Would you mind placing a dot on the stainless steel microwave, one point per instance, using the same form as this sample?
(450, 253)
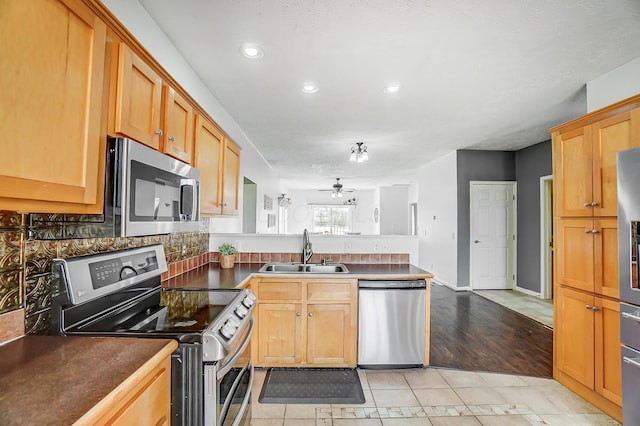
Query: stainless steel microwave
(148, 192)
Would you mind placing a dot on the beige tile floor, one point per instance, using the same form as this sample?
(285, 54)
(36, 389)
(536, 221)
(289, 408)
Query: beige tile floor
(533, 307)
(434, 396)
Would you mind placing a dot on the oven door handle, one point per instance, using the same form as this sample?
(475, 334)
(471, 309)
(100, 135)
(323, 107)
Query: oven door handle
(229, 364)
(632, 361)
(245, 401)
(627, 315)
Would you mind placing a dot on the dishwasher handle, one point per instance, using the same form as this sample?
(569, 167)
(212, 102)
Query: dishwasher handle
(392, 284)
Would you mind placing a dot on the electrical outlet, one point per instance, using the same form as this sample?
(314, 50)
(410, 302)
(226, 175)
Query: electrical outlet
(347, 246)
(376, 247)
(184, 249)
(385, 247)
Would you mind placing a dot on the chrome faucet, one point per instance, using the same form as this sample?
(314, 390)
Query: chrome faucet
(306, 247)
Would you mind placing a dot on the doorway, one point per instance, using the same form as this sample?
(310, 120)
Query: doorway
(249, 206)
(546, 237)
(493, 235)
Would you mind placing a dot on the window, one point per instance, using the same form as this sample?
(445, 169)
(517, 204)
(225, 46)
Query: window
(331, 220)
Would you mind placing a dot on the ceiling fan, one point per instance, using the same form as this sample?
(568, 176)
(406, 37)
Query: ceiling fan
(337, 190)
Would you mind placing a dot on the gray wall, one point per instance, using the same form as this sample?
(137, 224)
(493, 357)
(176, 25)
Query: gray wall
(484, 166)
(531, 163)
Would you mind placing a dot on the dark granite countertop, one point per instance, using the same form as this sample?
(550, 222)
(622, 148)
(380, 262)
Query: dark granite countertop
(212, 276)
(56, 380)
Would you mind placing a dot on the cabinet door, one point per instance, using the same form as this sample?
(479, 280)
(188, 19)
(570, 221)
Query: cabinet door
(178, 125)
(575, 253)
(609, 137)
(573, 165)
(138, 99)
(574, 335)
(51, 91)
(330, 335)
(231, 179)
(279, 333)
(606, 257)
(608, 370)
(209, 144)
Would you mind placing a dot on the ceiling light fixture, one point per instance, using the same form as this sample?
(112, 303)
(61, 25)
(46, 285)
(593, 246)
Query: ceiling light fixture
(252, 51)
(309, 88)
(359, 153)
(392, 88)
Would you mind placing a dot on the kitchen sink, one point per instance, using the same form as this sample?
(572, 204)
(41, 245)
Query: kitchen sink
(309, 268)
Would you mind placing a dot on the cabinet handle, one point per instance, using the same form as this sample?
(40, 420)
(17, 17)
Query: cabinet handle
(171, 138)
(223, 204)
(594, 231)
(595, 309)
(589, 307)
(631, 361)
(587, 204)
(298, 314)
(627, 315)
(158, 132)
(594, 204)
(310, 314)
(587, 231)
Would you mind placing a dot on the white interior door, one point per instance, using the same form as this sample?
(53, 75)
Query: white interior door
(493, 238)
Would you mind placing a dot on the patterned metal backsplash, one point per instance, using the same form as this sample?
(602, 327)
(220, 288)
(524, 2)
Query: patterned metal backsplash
(28, 243)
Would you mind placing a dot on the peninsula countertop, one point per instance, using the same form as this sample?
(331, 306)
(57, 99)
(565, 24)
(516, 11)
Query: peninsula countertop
(212, 276)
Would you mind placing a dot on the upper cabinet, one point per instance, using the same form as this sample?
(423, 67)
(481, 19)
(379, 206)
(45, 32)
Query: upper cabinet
(585, 159)
(209, 152)
(138, 98)
(51, 89)
(178, 125)
(231, 179)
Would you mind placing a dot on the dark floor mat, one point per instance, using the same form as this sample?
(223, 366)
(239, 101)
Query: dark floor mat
(311, 386)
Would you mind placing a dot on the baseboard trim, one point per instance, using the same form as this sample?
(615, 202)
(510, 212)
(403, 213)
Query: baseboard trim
(528, 292)
(451, 286)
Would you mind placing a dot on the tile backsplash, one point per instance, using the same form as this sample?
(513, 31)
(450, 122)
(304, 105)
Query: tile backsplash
(25, 264)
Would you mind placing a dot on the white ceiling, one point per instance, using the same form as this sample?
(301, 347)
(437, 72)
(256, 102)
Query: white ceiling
(474, 74)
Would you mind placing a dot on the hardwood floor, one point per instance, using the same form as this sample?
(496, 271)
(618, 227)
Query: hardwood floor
(469, 332)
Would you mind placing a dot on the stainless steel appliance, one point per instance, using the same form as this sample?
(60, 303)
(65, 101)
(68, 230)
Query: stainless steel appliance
(628, 244)
(147, 192)
(119, 294)
(391, 323)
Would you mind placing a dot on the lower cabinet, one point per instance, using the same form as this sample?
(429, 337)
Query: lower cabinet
(310, 322)
(587, 347)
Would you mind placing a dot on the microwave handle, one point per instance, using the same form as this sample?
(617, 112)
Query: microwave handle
(188, 199)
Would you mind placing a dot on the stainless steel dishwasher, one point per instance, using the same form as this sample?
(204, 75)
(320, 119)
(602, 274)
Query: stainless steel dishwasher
(391, 323)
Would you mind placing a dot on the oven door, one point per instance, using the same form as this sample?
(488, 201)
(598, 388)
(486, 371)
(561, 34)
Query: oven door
(227, 386)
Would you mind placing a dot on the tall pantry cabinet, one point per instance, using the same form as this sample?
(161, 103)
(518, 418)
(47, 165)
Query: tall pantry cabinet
(586, 318)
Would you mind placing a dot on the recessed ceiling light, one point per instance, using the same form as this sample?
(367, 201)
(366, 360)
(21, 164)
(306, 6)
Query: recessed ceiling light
(252, 51)
(392, 88)
(310, 88)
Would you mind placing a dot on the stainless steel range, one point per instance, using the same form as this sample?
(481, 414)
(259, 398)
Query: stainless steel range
(119, 294)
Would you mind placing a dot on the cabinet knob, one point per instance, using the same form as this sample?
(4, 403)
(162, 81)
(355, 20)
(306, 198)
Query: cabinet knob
(594, 231)
(171, 138)
(310, 314)
(158, 132)
(595, 309)
(587, 231)
(587, 204)
(588, 307)
(594, 204)
(298, 314)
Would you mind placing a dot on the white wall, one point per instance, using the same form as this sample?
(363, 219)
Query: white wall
(300, 213)
(321, 244)
(252, 165)
(438, 219)
(394, 210)
(621, 83)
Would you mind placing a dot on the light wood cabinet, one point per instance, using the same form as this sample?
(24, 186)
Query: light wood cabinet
(585, 160)
(138, 99)
(310, 322)
(586, 325)
(143, 399)
(178, 125)
(209, 151)
(587, 342)
(587, 254)
(51, 91)
(231, 179)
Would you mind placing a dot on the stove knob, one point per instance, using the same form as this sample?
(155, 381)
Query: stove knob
(241, 311)
(227, 331)
(233, 322)
(248, 301)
